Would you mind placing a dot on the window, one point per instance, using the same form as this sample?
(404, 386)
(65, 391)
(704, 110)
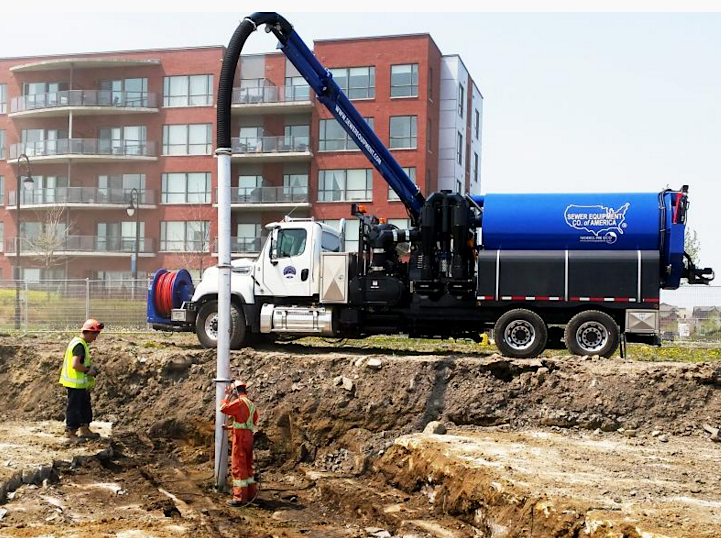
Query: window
(193, 139)
(458, 186)
(112, 185)
(332, 137)
(295, 187)
(356, 82)
(50, 189)
(297, 137)
(38, 142)
(404, 80)
(185, 188)
(185, 236)
(296, 89)
(411, 173)
(475, 167)
(430, 83)
(429, 136)
(461, 100)
(125, 92)
(3, 98)
(477, 123)
(129, 140)
(190, 90)
(291, 242)
(345, 185)
(43, 94)
(119, 236)
(2, 144)
(404, 132)
(352, 228)
(459, 149)
(2, 236)
(2, 190)
(329, 242)
(249, 238)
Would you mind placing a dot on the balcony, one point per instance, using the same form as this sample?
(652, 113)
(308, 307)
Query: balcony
(272, 149)
(80, 245)
(83, 103)
(243, 247)
(85, 149)
(79, 198)
(271, 100)
(267, 198)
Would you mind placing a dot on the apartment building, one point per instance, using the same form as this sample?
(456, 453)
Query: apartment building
(120, 148)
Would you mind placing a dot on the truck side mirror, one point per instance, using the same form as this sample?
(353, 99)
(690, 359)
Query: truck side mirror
(273, 250)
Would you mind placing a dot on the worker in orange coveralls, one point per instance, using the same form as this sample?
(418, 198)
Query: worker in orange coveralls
(238, 406)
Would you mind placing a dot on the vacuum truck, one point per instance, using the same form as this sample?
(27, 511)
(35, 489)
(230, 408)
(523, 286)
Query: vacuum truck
(542, 271)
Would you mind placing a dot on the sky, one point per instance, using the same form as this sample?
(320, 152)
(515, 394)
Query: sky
(573, 102)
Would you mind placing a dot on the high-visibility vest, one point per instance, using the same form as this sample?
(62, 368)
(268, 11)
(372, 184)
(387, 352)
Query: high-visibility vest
(248, 424)
(69, 376)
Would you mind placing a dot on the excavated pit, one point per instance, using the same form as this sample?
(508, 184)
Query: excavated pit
(564, 447)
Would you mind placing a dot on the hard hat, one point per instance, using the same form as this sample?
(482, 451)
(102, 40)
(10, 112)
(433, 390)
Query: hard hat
(238, 385)
(93, 326)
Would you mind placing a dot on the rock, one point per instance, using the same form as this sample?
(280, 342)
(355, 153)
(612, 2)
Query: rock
(338, 381)
(655, 433)
(663, 438)
(435, 427)
(295, 387)
(629, 433)
(359, 362)
(344, 382)
(374, 364)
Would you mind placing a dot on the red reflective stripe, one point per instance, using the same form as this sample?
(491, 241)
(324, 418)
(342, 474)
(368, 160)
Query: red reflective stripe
(543, 298)
(596, 299)
(675, 209)
(652, 300)
(518, 297)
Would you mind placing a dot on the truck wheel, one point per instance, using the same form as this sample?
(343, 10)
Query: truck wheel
(521, 334)
(206, 325)
(592, 333)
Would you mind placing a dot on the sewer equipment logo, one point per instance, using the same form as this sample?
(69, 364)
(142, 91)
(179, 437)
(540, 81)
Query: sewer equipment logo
(604, 224)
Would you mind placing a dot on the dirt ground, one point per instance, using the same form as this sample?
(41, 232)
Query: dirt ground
(562, 447)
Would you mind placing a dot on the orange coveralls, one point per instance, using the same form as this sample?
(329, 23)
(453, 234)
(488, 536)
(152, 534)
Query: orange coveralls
(245, 489)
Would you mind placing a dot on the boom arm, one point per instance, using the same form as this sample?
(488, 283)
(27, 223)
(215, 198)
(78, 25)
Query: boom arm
(330, 94)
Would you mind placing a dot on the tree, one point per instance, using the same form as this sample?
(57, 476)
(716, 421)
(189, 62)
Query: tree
(199, 256)
(48, 244)
(692, 245)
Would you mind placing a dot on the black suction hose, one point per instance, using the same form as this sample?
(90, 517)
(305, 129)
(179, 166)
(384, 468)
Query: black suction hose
(280, 27)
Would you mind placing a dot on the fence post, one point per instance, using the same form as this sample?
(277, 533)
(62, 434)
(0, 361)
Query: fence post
(27, 303)
(87, 298)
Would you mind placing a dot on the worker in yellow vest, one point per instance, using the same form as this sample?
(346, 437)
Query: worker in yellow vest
(78, 376)
(244, 413)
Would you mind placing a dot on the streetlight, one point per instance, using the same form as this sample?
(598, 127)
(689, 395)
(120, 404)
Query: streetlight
(27, 182)
(134, 209)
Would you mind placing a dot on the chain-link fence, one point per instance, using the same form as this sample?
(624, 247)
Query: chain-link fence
(691, 313)
(65, 304)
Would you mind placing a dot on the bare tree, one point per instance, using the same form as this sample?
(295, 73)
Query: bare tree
(48, 245)
(199, 257)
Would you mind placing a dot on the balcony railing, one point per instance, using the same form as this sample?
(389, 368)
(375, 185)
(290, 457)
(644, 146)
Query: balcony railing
(270, 94)
(268, 195)
(84, 146)
(271, 144)
(79, 98)
(79, 243)
(244, 245)
(78, 195)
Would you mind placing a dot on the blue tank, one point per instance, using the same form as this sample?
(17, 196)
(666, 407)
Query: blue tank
(588, 221)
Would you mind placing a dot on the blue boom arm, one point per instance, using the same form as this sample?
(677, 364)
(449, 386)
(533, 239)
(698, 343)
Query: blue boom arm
(330, 94)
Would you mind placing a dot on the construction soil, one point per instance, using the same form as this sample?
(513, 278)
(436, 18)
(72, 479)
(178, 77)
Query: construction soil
(553, 447)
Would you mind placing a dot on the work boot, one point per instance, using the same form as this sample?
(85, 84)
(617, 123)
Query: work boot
(87, 433)
(71, 437)
(235, 502)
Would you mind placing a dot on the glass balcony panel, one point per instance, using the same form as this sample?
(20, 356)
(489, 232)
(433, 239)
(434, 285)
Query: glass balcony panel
(79, 98)
(83, 243)
(78, 195)
(84, 146)
(271, 144)
(268, 195)
(270, 94)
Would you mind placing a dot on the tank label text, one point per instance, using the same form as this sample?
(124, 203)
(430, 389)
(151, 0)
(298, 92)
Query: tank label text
(604, 224)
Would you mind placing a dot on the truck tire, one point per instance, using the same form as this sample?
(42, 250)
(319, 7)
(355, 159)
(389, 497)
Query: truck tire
(206, 325)
(521, 334)
(592, 333)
